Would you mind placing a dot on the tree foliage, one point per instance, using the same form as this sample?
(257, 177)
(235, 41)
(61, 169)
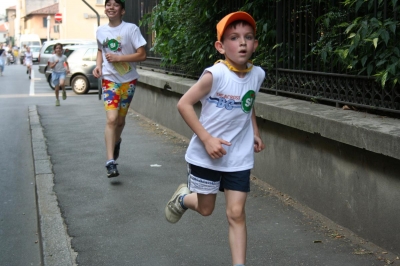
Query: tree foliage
(368, 44)
(185, 32)
(184, 35)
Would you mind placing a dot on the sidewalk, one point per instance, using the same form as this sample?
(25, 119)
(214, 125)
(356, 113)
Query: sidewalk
(120, 221)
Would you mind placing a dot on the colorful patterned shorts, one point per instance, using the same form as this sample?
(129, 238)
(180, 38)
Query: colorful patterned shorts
(118, 96)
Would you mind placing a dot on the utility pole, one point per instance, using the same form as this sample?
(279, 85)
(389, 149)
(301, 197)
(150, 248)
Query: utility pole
(98, 24)
(94, 10)
(48, 28)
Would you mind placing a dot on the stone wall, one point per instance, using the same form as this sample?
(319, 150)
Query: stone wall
(342, 164)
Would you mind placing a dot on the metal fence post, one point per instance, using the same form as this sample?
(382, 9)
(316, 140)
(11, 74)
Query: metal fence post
(99, 89)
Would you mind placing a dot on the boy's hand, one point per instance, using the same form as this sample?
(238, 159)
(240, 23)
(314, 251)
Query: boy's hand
(97, 72)
(112, 57)
(214, 147)
(258, 144)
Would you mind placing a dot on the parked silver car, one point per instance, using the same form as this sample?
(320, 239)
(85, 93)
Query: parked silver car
(48, 50)
(81, 60)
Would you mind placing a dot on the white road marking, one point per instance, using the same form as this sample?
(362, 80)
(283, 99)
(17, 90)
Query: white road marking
(32, 86)
(8, 96)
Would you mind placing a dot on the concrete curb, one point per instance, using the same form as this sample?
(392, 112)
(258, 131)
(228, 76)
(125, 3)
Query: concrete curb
(56, 244)
(357, 129)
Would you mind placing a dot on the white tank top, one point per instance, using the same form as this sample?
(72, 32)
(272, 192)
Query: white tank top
(226, 114)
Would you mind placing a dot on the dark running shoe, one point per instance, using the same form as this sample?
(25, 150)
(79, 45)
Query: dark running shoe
(112, 170)
(116, 149)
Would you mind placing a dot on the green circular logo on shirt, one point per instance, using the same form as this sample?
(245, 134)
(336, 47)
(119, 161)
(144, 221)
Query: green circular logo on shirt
(113, 45)
(248, 101)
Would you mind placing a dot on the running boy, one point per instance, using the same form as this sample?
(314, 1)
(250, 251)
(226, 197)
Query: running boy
(120, 45)
(221, 152)
(58, 62)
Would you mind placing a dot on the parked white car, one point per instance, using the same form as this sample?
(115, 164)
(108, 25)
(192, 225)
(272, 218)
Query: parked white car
(81, 60)
(35, 53)
(48, 50)
(27, 40)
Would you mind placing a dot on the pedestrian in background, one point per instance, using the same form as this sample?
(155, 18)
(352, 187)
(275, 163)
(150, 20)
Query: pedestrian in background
(120, 45)
(28, 61)
(3, 59)
(221, 152)
(58, 63)
(15, 53)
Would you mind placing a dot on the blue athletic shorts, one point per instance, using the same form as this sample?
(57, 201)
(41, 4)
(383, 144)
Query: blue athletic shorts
(56, 77)
(206, 181)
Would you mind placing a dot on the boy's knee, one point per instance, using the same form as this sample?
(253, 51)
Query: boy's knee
(121, 123)
(111, 121)
(236, 214)
(205, 211)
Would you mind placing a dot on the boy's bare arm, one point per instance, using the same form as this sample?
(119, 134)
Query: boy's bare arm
(53, 64)
(258, 143)
(185, 106)
(67, 68)
(97, 72)
(139, 56)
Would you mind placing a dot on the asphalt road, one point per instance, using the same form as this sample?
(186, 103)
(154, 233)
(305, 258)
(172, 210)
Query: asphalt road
(121, 221)
(19, 233)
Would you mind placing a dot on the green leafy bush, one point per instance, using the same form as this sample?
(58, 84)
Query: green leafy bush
(185, 32)
(366, 45)
(359, 37)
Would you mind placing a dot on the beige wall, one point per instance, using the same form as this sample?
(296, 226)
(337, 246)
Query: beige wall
(22, 13)
(79, 21)
(11, 15)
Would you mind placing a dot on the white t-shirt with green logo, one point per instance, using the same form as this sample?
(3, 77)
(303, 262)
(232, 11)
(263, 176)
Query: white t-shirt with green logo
(226, 113)
(123, 39)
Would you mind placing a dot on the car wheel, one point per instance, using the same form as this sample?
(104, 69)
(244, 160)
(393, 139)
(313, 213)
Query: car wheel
(50, 82)
(80, 84)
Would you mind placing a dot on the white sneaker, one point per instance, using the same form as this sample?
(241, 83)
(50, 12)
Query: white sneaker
(57, 102)
(174, 210)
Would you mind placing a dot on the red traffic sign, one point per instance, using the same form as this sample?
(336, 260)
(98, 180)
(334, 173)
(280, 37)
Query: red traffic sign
(58, 17)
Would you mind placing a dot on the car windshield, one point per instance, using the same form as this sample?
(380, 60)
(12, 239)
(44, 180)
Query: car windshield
(35, 49)
(30, 43)
(67, 52)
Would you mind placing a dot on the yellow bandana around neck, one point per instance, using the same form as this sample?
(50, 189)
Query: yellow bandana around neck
(234, 69)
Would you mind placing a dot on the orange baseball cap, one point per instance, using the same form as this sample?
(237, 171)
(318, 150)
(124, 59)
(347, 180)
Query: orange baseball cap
(228, 19)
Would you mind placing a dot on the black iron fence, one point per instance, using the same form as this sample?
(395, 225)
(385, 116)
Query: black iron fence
(298, 71)
(301, 73)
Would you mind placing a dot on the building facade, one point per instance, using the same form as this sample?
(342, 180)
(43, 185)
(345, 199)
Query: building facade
(11, 16)
(78, 19)
(41, 22)
(3, 33)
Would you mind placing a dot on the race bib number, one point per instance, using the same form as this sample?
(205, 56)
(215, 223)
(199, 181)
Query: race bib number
(122, 67)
